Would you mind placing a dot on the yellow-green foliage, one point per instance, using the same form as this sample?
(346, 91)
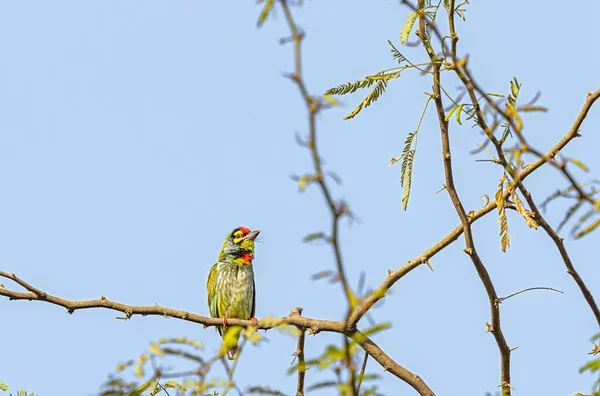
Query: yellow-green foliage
(380, 80)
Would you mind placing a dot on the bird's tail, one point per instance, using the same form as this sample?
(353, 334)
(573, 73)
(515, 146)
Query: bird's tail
(231, 353)
(231, 337)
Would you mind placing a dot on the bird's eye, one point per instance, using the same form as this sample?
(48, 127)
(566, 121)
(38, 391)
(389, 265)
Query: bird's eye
(237, 235)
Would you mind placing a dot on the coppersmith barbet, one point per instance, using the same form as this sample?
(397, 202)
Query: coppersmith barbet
(230, 286)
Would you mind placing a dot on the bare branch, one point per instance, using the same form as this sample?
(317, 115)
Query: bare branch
(313, 326)
(362, 372)
(337, 209)
(460, 210)
(301, 363)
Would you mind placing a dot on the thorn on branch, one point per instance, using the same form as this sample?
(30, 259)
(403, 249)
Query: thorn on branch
(297, 311)
(285, 40)
(428, 264)
(292, 76)
(315, 106)
(471, 215)
(486, 199)
(300, 141)
(505, 384)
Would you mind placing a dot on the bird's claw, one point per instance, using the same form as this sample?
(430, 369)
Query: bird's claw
(224, 322)
(254, 321)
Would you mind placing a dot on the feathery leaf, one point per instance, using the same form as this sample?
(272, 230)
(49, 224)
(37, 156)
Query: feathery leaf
(407, 28)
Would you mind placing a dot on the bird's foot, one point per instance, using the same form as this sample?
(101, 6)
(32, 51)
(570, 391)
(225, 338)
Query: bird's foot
(254, 321)
(224, 322)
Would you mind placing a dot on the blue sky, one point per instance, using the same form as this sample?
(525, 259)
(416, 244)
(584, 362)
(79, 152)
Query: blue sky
(134, 136)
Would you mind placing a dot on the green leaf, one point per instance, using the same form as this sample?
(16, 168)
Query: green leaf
(377, 328)
(533, 108)
(515, 87)
(592, 366)
(580, 164)
(181, 340)
(264, 390)
(505, 134)
(321, 275)
(373, 96)
(450, 113)
(380, 80)
(155, 349)
(175, 385)
(395, 53)
(303, 181)
(139, 367)
(3, 386)
(312, 237)
(407, 165)
(588, 229)
(265, 12)
(331, 100)
(458, 111)
(144, 387)
(321, 385)
(407, 28)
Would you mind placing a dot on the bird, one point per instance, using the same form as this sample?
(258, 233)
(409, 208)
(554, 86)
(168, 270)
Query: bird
(230, 286)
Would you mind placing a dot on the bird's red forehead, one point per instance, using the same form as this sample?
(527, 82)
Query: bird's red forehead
(244, 230)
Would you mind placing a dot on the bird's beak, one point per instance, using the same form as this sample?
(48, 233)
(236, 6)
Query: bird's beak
(251, 236)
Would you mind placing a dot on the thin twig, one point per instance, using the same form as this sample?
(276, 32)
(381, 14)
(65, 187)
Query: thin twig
(301, 363)
(460, 210)
(501, 299)
(362, 373)
(337, 209)
(463, 74)
(472, 87)
(395, 276)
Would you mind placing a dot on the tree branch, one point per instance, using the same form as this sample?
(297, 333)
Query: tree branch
(394, 276)
(299, 354)
(313, 326)
(362, 372)
(389, 365)
(549, 157)
(460, 210)
(337, 209)
(301, 363)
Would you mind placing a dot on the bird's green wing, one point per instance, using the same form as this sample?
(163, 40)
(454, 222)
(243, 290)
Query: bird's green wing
(211, 288)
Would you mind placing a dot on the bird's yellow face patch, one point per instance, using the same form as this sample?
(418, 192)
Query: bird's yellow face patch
(238, 236)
